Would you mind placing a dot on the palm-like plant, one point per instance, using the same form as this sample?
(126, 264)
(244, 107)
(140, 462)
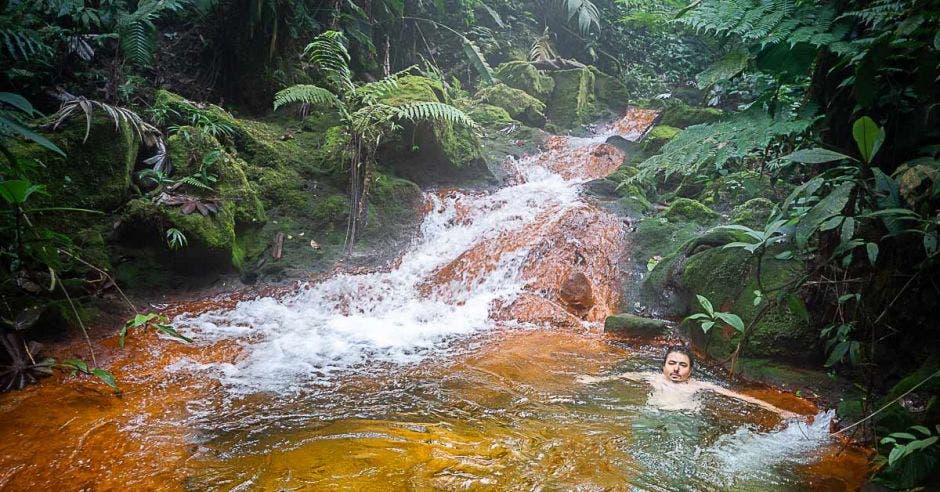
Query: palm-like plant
(367, 120)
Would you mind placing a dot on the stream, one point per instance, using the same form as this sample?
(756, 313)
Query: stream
(454, 367)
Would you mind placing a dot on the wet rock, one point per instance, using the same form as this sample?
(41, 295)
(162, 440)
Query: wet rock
(626, 324)
(520, 105)
(573, 100)
(678, 114)
(524, 76)
(687, 210)
(658, 136)
(576, 292)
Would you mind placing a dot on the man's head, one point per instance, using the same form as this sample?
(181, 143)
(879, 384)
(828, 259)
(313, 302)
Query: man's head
(678, 364)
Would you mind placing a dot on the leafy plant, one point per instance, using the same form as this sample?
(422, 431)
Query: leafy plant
(175, 238)
(75, 366)
(708, 319)
(367, 120)
(912, 456)
(150, 320)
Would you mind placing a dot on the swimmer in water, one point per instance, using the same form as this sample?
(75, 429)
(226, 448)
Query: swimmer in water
(674, 389)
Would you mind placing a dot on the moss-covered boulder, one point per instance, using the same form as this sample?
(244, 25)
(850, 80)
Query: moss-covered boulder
(658, 136)
(573, 100)
(728, 278)
(436, 152)
(517, 103)
(609, 91)
(490, 116)
(678, 114)
(687, 210)
(230, 232)
(524, 76)
(739, 187)
(626, 324)
(753, 213)
(95, 174)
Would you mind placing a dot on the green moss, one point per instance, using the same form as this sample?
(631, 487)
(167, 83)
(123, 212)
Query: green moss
(96, 174)
(660, 236)
(627, 324)
(392, 206)
(739, 187)
(686, 210)
(524, 76)
(609, 91)
(623, 173)
(753, 213)
(517, 103)
(489, 115)
(633, 199)
(414, 88)
(680, 115)
(331, 210)
(658, 136)
(573, 100)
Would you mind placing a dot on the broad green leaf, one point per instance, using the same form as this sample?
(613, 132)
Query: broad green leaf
(903, 435)
(848, 229)
(838, 353)
(831, 205)
(807, 188)
(17, 191)
(868, 136)
(105, 376)
(872, 250)
(831, 223)
(172, 332)
(930, 243)
(923, 430)
(707, 325)
(17, 101)
(18, 129)
(733, 320)
(706, 304)
(76, 364)
(797, 307)
(914, 446)
(816, 156)
(897, 453)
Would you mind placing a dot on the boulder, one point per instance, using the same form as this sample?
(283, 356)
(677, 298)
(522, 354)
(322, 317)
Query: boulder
(524, 76)
(657, 137)
(576, 292)
(687, 210)
(626, 324)
(573, 101)
(517, 103)
(678, 114)
(753, 213)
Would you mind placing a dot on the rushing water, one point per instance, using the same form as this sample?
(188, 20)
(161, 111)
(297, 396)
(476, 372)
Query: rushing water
(456, 367)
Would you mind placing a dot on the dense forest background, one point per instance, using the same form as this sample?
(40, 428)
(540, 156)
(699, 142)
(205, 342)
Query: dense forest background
(830, 105)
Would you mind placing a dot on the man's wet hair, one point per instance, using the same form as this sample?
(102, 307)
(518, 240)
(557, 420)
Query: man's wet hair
(681, 349)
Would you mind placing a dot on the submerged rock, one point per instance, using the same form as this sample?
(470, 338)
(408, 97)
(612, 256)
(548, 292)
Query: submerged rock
(626, 324)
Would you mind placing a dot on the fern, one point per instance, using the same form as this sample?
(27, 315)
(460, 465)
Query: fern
(431, 111)
(309, 94)
(586, 13)
(329, 54)
(880, 12)
(763, 22)
(542, 49)
(725, 68)
(714, 146)
(24, 44)
(145, 132)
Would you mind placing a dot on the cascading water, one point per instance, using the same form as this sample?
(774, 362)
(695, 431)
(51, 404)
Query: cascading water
(457, 367)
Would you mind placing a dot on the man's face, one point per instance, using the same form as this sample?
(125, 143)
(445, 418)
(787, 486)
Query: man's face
(677, 368)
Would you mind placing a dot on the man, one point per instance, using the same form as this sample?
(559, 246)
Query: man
(674, 389)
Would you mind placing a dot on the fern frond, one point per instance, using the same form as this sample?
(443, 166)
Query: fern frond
(714, 146)
(435, 111)
(329, 54)
(727, 67)
(542, 49)
(309, 94)
(146, 133)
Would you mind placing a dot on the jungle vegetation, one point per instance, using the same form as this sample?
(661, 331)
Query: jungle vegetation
(833, 101)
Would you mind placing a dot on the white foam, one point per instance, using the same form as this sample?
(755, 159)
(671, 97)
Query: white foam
(348, 321)
(748, 454)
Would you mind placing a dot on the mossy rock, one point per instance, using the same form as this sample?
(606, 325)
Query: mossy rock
(573, 101)
(659, 236)
(490, 116)
(520, 105)
(609, 91)
(753, 213)
(727, 278)
(678, 114)
(393, 205)
(415, 88)
(95, 174)
(687, 210)
(524, 76)
(658, 136)
(626, 324)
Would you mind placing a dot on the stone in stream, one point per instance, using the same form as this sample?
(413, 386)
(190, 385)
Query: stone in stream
(576, 292)
(627, 324)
